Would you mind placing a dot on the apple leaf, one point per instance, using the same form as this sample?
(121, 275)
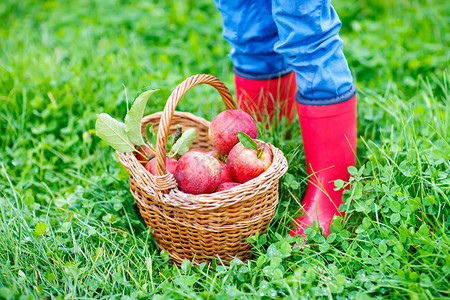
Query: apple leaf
(247, 141)
(113, 133)
(151, 135)
(170, 143)
(134, 117)
(184, 142)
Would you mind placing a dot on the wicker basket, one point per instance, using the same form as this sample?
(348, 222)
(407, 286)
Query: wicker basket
(200, 227)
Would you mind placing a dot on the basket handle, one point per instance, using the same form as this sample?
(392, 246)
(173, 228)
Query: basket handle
(169, 109)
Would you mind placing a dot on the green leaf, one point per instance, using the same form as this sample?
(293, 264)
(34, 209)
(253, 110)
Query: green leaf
(352, 170)
(423, 230)
(285, 249)
(170, 143)
(120, 279)
(382, 247)
(165, 255)
(247, 141)
(50, 276)
(65, 227)
(338, 184)
(277, 274)
(185, 266)
(113, 133)
(395, 206)
(331, 238)
(324, 247)
(187, 281)
(262, 240)
(395, 218)
(357, 194)
(150, 134)
(425, 280)
(134, 117)
(251, 239)
(319, 239)
(260, 261)
(40, 229)
(184, 142)
(273, 252)
(6, 293)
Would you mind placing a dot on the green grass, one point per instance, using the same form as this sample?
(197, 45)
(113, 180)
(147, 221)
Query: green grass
(68, 224)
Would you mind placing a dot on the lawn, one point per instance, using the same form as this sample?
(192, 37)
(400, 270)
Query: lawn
(69, 227)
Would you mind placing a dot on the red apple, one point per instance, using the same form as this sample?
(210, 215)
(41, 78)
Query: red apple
(171, 165)
(245, 164)
(143, 154)
(226, 185)
(225, 174)
(197, 173)
(198, 150)
(224, 128)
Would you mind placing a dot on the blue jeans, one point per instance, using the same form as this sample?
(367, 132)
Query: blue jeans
(271, 38)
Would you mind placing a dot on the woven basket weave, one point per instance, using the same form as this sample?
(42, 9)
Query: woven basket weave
(200, 227)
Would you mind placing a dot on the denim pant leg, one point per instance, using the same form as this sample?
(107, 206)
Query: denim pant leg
(250, 29)
(308, 33)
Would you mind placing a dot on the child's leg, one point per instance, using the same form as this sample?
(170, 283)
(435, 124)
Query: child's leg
(326, 102)
(264, 82)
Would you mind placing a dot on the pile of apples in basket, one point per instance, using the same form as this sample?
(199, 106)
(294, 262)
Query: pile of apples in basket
(238, 156)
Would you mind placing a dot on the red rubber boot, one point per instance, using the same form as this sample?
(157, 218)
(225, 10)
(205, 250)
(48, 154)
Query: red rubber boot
(329, 141)
(263, 98)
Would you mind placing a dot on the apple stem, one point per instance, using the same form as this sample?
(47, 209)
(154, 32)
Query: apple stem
(177, 134)
(224, 158)
(260, 150)
(144, 153)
